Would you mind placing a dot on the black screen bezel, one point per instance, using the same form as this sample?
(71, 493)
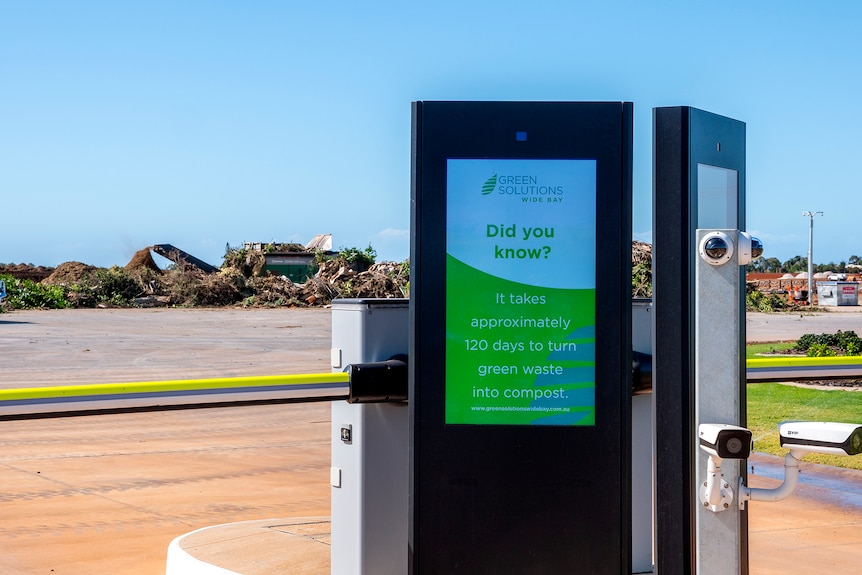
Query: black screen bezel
(561, 491)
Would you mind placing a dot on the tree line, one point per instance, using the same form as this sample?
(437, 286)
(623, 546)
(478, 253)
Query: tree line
(798, 264)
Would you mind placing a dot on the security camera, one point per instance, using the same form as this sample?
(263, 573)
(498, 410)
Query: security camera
(756, 248)
(802, 438)
(725, 441)
(750, 248)
(821, 437)
(716, 248)
(721, 441)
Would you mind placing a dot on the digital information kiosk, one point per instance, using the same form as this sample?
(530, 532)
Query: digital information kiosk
(520, 349)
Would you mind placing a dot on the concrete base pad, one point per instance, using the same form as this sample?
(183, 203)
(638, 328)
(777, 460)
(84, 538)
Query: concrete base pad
(298, 546)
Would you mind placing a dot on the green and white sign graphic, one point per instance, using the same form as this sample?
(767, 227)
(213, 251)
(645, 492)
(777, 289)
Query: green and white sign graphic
(520, 292)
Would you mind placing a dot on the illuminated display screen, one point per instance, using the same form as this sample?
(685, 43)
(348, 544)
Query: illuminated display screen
(520, 292)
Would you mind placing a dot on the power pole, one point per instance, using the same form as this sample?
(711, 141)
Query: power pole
(810, 250)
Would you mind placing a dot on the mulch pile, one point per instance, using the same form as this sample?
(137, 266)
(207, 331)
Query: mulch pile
(69, 273)
(26, 271)
(143, 259)
(334, 279)
(641, 270)
(834, 382)
(242, 280)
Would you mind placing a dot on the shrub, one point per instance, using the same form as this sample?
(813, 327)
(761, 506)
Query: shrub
(804, 342)
(820, 350)
(766, 303)
(188, 286)
(642, 279)
(115, 285)
(364, 257)
(27, 294)
(843, 342)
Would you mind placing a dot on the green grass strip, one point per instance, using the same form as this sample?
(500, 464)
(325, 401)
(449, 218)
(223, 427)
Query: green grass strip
(771, 403)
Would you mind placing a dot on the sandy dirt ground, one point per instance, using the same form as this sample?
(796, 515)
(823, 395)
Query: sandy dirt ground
(105, 494)
(818, 529)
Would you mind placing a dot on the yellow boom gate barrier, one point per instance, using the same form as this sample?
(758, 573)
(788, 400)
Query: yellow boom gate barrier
(803, 368)
(102, 397)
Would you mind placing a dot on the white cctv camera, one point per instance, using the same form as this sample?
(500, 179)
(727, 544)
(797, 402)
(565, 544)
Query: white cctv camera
(725, 441)
(750, 248)
(721, 441)
(801, 438)
(716, 248)
(821, 437)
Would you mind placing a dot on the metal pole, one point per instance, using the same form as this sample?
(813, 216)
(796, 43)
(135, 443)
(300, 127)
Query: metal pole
(810, 261)
(810, 252)
(718, 398)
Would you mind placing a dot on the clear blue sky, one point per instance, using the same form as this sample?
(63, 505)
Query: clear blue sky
(124, 124)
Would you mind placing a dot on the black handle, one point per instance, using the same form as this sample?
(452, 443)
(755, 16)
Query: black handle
(641, 372)
(378, 381)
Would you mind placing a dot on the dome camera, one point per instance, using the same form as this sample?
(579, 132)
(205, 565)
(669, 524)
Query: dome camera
(716, 248)
(750, 248)
(756, 248)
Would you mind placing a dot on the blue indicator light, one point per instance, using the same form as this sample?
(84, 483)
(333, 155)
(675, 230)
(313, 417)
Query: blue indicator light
(521, 136)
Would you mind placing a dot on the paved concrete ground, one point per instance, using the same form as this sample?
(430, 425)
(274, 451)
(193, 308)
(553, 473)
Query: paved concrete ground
(765, 327)
(64, 347)
(107, 493)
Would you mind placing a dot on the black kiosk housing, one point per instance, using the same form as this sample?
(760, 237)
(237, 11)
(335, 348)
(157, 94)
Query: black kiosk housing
(686, 141)
(543, 495)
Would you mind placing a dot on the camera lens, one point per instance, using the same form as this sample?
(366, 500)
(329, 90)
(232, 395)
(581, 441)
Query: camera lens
(855, 442)
(734, 445)
(756, 248)
(715, 248)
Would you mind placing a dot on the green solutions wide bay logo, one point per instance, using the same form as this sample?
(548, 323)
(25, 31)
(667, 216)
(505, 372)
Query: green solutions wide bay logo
(489, 185)
(526, 188)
